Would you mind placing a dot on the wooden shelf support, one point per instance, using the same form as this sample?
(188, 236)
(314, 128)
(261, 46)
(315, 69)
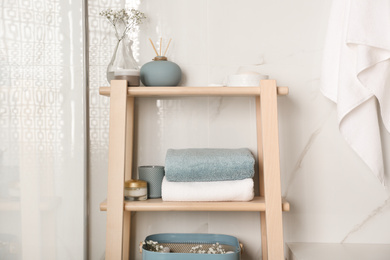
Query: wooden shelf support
(116, 169)
(271, 166)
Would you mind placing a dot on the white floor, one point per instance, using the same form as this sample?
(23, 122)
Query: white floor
(319, 251)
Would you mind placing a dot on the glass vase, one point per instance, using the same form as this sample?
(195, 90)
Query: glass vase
(122, 59)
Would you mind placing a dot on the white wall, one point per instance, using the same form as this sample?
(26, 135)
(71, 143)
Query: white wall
(333, 196)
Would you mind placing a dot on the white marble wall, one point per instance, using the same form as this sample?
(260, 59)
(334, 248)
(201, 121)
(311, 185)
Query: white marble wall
(333, 196)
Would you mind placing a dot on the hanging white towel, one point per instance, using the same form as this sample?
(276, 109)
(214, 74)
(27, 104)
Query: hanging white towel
(356, 74)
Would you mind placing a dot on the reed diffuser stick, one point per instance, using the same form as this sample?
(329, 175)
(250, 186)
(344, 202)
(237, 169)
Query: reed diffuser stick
(154, 48)
(167, 46)
(160, 45)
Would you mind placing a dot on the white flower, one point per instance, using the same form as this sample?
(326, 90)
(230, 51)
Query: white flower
(125, 19)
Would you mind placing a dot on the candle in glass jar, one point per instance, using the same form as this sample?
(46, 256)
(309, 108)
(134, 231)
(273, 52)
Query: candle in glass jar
(136, 190)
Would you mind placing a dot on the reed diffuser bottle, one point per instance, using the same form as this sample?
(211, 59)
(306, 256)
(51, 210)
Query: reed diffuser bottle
(160, 71)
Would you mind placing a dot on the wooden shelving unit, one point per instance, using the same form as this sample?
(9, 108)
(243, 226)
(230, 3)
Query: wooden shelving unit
(270, 203)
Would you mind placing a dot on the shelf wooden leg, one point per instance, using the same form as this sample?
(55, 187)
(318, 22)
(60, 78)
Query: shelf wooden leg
(271, 168)
(129, 137)
(116, 170)
(128, 173)
(126, 234)
(261, 178)
(264, 248)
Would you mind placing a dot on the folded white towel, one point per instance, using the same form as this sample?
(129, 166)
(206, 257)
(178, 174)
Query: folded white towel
(237, 190)
(356, 74)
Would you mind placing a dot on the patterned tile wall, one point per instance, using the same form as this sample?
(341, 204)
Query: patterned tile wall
(41, 87)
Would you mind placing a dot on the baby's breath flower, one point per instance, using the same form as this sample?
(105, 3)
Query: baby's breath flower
(214, 249)
(126, 18)
(154, 246)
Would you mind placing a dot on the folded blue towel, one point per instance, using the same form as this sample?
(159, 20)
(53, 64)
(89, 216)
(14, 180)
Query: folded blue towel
(208, 164)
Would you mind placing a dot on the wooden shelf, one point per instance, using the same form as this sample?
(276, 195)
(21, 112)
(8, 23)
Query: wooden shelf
(257, 204)
(192, 91)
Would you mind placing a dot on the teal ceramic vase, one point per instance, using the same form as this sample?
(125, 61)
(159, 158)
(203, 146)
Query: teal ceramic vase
(160, 72)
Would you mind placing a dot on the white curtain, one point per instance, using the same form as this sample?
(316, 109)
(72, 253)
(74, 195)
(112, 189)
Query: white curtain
(42, 130)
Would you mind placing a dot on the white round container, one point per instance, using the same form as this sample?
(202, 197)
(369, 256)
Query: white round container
(245, 80)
